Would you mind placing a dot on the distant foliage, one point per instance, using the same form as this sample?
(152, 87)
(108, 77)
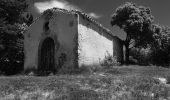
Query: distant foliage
(147, 43)
(11, 49)
(141, 56)
(158, 51)
(12, 27)
(161, 45)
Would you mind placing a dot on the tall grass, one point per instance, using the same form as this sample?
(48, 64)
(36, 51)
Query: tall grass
(114, 83)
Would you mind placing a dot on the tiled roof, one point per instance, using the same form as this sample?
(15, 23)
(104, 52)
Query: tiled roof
(47, 12)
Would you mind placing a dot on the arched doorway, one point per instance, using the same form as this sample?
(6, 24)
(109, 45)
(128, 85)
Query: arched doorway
(47, 56)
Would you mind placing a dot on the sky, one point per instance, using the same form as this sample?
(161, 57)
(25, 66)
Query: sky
(101, 10)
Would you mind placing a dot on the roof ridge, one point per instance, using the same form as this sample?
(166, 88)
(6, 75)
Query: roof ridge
(80, 13)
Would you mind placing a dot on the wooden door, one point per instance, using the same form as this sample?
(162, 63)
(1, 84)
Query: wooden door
(47, 52)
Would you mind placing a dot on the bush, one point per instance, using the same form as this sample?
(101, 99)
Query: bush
(11, 68)
(110, 61)
(149, 56)
(141, 56)
(160, 58)
(11, 49)
(161, 45)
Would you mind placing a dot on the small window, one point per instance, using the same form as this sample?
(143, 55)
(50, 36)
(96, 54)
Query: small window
(46, 26)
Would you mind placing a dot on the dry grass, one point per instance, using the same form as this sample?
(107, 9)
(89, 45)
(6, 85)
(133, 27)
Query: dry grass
(117, 83)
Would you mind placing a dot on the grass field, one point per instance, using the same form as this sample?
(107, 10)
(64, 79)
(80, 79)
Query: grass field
(117, 83)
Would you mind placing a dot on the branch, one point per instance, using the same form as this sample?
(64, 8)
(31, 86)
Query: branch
(131, 42)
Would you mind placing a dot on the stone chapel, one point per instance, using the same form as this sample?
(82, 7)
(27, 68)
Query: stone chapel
(61, 38)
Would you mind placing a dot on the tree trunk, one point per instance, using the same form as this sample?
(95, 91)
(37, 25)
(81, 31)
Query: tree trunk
(127, 53)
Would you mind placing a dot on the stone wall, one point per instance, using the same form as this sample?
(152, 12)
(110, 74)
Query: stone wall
(95, 43)
(62, 28)
(78, 40)
(31, 44)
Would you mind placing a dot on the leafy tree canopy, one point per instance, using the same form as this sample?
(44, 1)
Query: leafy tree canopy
(11, 10)
(161, 45)
(161, 37)
(12, 26)
(134, 20)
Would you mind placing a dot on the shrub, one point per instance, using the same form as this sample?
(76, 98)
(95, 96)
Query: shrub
(11, 68)
(160, 58)
(109, 60)
(147, 56)
(161, 45)
(141, 56)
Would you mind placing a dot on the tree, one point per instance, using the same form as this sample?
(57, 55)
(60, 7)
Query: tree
(135, 21)
(161, 45)
(12, 26)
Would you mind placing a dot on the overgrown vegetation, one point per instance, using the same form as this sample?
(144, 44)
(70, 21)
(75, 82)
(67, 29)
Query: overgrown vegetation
(157, 52)
(161, 45)
(135, 21)
(110, 60)
(118, 83)
(147, 42)
(12, 26)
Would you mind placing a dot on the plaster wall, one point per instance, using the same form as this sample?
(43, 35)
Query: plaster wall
(31, 44)
(62, 29)
(78, 41)
(65, 26)
(94, 43)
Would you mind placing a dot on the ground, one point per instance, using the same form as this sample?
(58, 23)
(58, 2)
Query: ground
(117, 83)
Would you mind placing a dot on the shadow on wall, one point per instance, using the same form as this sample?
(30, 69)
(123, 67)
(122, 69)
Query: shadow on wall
(118, 49)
